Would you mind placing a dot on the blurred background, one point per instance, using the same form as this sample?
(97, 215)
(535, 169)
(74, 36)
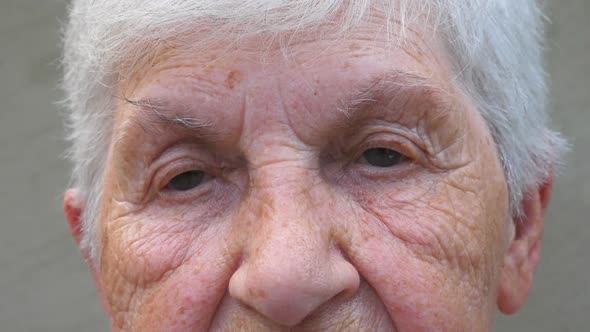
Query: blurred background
(44, 283)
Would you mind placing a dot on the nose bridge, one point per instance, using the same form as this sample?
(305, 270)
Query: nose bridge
(288, 222)
(290, 266)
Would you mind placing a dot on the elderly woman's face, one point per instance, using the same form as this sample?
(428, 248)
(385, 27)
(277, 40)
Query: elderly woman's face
(323, 185)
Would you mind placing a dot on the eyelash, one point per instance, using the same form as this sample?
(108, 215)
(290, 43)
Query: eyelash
(392, 142)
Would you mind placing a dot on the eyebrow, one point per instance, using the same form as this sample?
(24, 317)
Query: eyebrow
(160, 114)
(391, 87)
(155, 116)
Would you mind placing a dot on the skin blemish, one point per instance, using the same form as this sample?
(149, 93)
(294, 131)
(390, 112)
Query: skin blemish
(257, 292)
(233, 78)
(354, 47)
(265, 208)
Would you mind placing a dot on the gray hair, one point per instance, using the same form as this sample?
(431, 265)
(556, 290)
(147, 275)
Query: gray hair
(495, 47)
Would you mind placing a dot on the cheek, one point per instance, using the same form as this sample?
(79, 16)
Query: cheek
(417, 294)
(163, 273)
(144, 251)
(188, 298)
(431, 250)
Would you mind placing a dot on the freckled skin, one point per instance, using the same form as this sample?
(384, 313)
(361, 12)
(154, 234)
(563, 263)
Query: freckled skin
(283, 242)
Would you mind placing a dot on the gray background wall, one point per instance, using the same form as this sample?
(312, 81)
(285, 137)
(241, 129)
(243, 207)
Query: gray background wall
(44, 284)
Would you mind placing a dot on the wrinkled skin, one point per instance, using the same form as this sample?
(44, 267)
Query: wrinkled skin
(291, 229)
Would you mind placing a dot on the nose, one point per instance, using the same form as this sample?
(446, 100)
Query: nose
(291, 266)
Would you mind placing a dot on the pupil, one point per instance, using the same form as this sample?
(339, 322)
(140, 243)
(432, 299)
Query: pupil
(381, 157)
(186, 181)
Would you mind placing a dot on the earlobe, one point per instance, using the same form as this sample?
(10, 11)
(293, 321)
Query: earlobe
(524, 251)
(73, 208)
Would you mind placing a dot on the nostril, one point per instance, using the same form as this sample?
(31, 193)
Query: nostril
(345, 294)
(288, 296)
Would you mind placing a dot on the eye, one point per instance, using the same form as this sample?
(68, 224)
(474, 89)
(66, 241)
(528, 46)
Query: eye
(186, 181)
(382, 157)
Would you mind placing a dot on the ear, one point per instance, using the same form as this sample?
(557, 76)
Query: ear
(524, 251)
(73, 210)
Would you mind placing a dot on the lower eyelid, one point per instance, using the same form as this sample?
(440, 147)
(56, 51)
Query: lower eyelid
(395, 173)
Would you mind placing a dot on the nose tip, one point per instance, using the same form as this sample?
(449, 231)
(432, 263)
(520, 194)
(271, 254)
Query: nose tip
(288, 295)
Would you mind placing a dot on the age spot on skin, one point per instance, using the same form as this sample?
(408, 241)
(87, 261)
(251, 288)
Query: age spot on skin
(260, 293)
(233, 78)
(354, 47)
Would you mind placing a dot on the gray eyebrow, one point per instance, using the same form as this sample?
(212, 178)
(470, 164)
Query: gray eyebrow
(389, 84)
(160, 114)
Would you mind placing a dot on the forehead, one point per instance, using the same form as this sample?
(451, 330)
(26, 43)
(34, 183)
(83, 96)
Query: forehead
(413, 47)
(308, 75)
